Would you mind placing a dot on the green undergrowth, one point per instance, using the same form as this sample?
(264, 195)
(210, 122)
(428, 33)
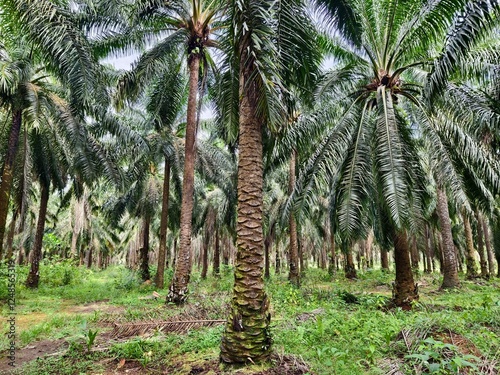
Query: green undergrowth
(337, 326)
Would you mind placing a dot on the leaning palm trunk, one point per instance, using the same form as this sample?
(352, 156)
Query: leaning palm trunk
(159, 281)
(470, 252)
(293, 275)
(405, 290)
(178, 290)
(36, 256)
(7, 173)
(450, 274)
(246, 337)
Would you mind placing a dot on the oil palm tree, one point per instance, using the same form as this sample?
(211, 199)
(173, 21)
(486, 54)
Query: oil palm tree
(174, 28)
(372, 149)
(40, 34)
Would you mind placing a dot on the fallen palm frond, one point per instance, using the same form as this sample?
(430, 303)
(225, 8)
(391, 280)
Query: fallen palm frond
(141, 328)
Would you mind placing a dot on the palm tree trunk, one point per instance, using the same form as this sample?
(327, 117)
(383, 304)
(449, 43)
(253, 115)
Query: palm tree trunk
(7, 172)
(144, 250)
(384, 259)
(428, 254)
(496, 243)
(216, 269)
(159, 281)
(267, 266)
(332, 265)
(349, 267)
(10, 235)
(293, 274)
(178, 290)
(489, 250)
(246, 337)
(34, 274)
(204, 260)
(480, 247)
(470, 251)
(405, 290)
(449, 256)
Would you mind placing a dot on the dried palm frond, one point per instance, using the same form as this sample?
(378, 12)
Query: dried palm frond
(138, 329)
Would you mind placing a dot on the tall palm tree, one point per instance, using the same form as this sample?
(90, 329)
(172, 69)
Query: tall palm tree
(372, 149)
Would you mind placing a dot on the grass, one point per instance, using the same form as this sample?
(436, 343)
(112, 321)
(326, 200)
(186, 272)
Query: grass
(337, 326)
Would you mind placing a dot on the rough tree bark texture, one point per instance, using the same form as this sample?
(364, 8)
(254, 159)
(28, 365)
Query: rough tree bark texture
(349, 267)
(7, 172)
(470, 257)
(246, 337)
(384, 259)
(405, 290)
(162, 250)
(428, 255)
(293, 274)
(332, 265)
(34, 274)
(449, 256)
(178, 290)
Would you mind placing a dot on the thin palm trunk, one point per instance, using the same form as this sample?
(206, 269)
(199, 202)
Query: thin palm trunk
(204, 260)
(489, 250)
(349, 267)
(10, 235)
(293, 275)
(159, 280)
(216, 269)
(405, 290)
(246, 337)
(332, 265)
(384, 259)
(480, 247)
(178, 290)
(428, 255)
(470, 251)
(7, 172)
(34, 274)
(449, 256)
(144, 249)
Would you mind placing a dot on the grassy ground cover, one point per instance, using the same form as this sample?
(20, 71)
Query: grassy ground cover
(83, 321)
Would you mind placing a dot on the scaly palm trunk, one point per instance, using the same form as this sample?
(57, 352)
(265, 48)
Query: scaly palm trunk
(349, 267)
(34, 274)
(428, 254)
(449, 256)
(384, 260)
(332, 264)
(10, 235)
(7, 172)
(178, 290)
(144, 252)
(405, 290)
(293, 275)
(246, 337)
(470, 252)
(204, 259)
(159, 281)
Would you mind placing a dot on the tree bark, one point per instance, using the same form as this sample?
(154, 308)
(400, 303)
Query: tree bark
(204, 259)
(162, 250)
(7, 172)
(246, 337)
(405, 290)
(450, 274)
(293, 275)
(144, 250)
(350, 268)
(10, 235)
(34, 274)
(470, 257)
(178, 290)
(428, 254)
